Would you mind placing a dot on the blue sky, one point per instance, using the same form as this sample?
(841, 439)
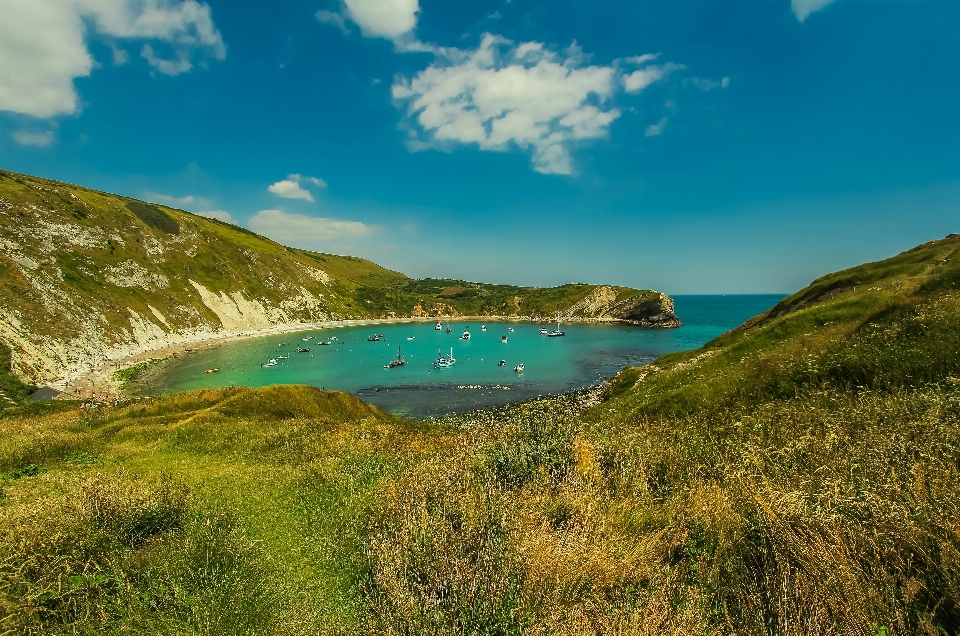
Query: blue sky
(693, 147)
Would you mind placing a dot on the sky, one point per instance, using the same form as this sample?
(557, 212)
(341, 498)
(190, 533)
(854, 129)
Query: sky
(696, 147)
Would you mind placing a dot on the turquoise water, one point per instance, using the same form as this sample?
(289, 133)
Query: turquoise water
(586, 354)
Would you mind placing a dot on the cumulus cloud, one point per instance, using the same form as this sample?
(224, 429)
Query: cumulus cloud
(803, 8)
(220, 215)
(503, 95)
(42, 47)
(40, 140)
(653, 130)
(390, 19)
(291, 229)
(289, 189)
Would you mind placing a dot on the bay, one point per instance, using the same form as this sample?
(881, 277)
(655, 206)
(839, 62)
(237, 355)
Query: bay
(587, 354)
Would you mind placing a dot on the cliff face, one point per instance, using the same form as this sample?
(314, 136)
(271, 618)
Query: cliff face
(87, 276)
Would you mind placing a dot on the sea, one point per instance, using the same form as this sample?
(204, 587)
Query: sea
(585, 355)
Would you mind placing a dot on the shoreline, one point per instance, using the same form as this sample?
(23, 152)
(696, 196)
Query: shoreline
(100, 381)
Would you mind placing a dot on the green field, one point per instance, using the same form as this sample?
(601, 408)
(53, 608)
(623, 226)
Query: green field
(800, 475)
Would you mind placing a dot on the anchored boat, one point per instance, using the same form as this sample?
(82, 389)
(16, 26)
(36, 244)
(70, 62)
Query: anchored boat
(444, 361)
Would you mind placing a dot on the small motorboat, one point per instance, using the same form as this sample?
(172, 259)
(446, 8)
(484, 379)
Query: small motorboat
(211, 370)
(283, 344)
(449, 329)
(272, 362)
(444, 361)
(303, 349)
(282, 357)
(510, 329)
(518, 368)
(557, 332)
(411, 337)
(543, 330)
(307, 339)
(333, 337)
(399, 362)
(465, 336)
(324, 343)
(439, 326)
(503, 339)
(502, 363)
(375, 338)
(483, 327)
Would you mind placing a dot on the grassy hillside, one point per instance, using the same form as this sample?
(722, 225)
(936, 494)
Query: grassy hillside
(86, 276)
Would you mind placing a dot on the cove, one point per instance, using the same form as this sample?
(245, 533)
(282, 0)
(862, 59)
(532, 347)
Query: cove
(588, 353)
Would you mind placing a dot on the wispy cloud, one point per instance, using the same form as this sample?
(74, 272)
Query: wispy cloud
(654, 130)
(708, 84)
(301, 178)
(803, 8)
(641, 78)
(289, 189)
(39, 140)
(299, 229)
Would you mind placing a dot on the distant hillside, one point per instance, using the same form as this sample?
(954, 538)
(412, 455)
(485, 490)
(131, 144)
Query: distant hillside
(88, 275)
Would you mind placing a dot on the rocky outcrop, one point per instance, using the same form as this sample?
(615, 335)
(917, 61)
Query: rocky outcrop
(610, 304)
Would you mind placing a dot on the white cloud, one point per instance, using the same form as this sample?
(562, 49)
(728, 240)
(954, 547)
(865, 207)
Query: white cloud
(653, 130)
(501, 95)
(220, 215)
(42, 48)
(289, 189)
(300, 178)
(390, 19)
(725, 82)
(383, 18)
(803, 8)
(40, 140)
(299, 229)
(638, 80)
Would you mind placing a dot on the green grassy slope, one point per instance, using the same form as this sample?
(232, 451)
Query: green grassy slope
(86, 274)
(800, 475)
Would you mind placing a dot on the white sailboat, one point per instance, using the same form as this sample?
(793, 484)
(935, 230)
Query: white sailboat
(557, 332)
(444, 361)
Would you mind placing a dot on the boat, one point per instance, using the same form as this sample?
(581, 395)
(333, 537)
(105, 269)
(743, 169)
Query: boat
(465, 336)
(411, 337)
(283, 357)
(518, 368)
(439, 326)
(303, 349)
(543, 330)
(510, 329)
(211, 370)
(272, 362)
(502, 363)
(444, 361)
(449, 329)
(375, 338)
(323, 343)
(483, 327)
(554, 334)
(307, 339)
(333, 337)
(503, 339)
(399, 362)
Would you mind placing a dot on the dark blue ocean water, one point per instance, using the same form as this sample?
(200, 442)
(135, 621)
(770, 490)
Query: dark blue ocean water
(587, 354)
